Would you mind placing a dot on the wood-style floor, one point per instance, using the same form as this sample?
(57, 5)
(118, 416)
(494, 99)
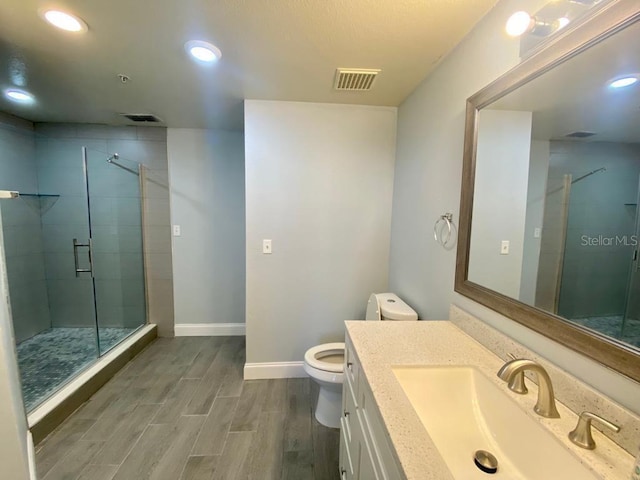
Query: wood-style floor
(181, 411)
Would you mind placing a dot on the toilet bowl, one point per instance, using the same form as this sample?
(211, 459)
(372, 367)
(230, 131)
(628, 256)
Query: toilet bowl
(325, 363)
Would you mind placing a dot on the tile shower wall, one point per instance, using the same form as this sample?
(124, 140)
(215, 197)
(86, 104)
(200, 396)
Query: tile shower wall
(116, 220)
(22, 229)
(60, 172)
(601, 206)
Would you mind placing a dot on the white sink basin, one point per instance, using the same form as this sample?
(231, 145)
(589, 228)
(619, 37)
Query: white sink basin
(463, 411)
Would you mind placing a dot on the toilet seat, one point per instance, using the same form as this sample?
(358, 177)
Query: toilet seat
(313, 357)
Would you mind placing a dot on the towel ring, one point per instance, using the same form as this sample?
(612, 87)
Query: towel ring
(437, 235)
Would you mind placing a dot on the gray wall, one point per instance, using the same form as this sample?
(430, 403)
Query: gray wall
(500, 199)
(538, 171)
(594, 278)
(319, 184)
(22, 229)
(427, 184)
(429, 160)
(206, 170)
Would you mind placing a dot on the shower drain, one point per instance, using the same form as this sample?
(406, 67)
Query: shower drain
(485, 461)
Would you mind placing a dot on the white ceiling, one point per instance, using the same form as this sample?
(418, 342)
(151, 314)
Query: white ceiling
(575, 96)
(272, 49)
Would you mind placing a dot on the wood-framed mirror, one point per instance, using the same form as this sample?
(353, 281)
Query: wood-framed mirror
(549, 216)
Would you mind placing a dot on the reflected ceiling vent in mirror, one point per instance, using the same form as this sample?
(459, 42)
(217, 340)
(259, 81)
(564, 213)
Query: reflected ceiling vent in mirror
(355, 79)
(142, 117)
(580, 134)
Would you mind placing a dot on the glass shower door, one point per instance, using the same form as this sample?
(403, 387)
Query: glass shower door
(115, 212)
(630, 328)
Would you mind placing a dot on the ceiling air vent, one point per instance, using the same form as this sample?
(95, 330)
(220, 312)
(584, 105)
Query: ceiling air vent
(142, 117)
(355, 79)
(580, 134)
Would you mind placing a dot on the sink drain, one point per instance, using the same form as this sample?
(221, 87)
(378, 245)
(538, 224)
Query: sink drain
(485, 461)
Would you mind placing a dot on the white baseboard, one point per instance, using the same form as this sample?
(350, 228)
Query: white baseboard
(209, 329)
(262, 371)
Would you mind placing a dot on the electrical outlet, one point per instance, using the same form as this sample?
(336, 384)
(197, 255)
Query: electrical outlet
(176, 231)
(536, 232)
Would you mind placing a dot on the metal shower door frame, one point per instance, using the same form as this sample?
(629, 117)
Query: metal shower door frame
(89, 245)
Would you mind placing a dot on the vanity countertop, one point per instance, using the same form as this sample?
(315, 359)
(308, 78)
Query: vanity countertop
(381, 345)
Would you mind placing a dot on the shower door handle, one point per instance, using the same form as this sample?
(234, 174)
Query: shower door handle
(77, 245)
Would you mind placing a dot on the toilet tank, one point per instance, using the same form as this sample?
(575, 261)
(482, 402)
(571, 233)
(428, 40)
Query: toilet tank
(388, 306)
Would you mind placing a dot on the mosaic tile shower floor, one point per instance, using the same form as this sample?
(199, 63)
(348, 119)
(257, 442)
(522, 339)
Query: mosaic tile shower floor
(52, 357)
(611, 326)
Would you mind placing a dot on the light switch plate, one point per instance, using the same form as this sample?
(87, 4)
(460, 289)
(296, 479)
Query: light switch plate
(504, 247)
(266, 246)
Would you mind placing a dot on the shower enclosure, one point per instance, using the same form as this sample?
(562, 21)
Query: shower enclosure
(598, 286)
(74, 254)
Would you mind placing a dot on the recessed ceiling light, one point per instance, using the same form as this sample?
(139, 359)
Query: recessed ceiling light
(64, 21)
(623, 81)
(19, 96)
(201, 51)
(519, 23)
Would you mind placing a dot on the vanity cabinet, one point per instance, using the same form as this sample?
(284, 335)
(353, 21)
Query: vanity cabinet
(365, 452)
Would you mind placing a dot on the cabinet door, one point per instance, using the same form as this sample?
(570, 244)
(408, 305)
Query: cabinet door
(349, 423)
(351, 366)
(375, 435)
(349, 408)
(365, 464)
(367, 472)
(345, 465)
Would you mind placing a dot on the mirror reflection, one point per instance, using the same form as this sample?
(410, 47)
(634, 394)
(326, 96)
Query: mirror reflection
(555, 209)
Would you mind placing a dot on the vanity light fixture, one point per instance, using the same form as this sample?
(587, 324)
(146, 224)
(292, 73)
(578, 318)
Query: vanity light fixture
(622, 82)
(19, 96)
(203, 52)
(521, 22)
(64, 21)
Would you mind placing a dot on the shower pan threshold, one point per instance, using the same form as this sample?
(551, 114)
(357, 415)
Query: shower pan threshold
(53, 411)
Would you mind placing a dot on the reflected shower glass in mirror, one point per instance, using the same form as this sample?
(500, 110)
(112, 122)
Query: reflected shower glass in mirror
(555, 210)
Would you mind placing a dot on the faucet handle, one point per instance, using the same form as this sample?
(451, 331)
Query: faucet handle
(516, 384)
(581, 435)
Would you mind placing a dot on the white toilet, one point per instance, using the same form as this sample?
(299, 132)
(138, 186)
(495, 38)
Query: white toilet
(325, 363)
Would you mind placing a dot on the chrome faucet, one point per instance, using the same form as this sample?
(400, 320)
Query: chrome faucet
(546, 404)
